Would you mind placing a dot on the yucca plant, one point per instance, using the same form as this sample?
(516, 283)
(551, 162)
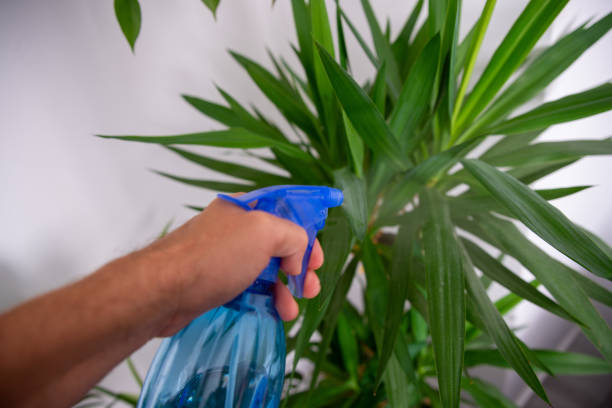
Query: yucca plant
(429, 228)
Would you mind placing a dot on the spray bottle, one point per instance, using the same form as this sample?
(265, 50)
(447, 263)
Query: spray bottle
(234, 355)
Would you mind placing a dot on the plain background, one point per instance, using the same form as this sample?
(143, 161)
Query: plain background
(69, 202)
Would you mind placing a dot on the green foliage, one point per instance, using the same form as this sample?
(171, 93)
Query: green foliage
(392, 144)
(128, 16)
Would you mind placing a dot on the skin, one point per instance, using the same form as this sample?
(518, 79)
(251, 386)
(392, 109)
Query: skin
(57, 346)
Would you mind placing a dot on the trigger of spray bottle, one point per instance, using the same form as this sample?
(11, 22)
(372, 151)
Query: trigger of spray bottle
(234, 355)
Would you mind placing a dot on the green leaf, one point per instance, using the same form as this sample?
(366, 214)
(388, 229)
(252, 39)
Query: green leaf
(403, 190)
(331, 318)
(210, 184)
(363, 114)
(502, 275)
(247, 120)
(544, 69)
(398, 285)
(572, 107)
(130, 399)
(560, 363)
(212, 5)
(415, 98)
(402, 42)
(134, 371)
(303, 29)
(348, 346)
(383, 50)
(355, 145)
(485, 394)
(592, 289)
(507, 144)
(233, 169)
(337, 241)
(506, 342)
(230, 138)
(215, 111)
(555, 276)
(128, 16)
(445, 297)
(532, 173)
(359, 38)
(472, 52)
(288, 102)
(541, 217)
(379, 89)
(376, 294)
(354, 204)
(162, 234)
(344, 61)
(513, 50)
(321, 33)
(554, 193)
(446, 67)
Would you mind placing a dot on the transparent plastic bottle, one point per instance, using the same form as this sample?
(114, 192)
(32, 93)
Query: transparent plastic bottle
(233, 356)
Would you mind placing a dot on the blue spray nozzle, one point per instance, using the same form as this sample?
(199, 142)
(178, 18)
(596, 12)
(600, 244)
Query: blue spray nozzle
(304, 205)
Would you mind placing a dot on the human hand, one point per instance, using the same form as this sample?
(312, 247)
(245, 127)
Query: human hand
(217, 254)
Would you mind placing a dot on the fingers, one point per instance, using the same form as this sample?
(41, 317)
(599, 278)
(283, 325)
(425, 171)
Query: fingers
(285, 304)
(289, 242)
(312, 285)
(316, 257)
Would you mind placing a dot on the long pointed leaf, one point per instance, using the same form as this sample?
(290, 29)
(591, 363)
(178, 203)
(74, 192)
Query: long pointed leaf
(213, 110)
(213, 185)
(231, 138)
(572, 107)
(485, 394)
(354, 204)
(337, 242)
(331, 318)
(359, 38)
(445, 297)
(398, 284)
(232, 169)
(383, 50)
(129, 18)
(365, 117)
(355, 145)
(551, 152)
(513, 50)
(544, 69)
(402, 191)
(416, 95)
(472, 53)
(554, 275)
(402, 42)
(561, 363)
(542, 218)
(284, 98)
(502, 275)
(505, 340)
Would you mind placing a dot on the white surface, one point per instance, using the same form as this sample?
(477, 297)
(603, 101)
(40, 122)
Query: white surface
(70, 202)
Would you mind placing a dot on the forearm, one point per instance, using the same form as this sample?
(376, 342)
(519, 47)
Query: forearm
(85, 328)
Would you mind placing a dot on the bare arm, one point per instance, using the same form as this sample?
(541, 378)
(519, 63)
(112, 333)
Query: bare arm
(57, 346)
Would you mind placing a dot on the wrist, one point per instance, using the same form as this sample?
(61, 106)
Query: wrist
(157, 296)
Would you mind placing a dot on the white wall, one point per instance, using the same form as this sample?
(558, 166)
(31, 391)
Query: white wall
(70, 201)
